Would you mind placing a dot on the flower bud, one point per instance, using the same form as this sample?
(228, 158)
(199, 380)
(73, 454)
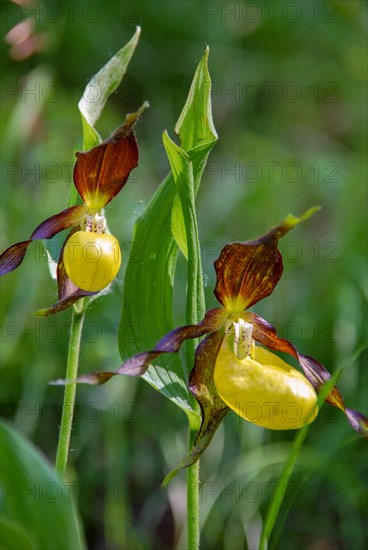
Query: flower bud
(92, 260)
(265, 390)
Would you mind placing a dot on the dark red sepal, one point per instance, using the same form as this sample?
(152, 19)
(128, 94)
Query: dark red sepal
(201, 382)
(248, 272)
(101, 172)
(14, 255)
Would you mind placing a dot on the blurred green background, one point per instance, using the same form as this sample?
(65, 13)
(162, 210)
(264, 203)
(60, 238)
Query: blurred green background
(289, 104)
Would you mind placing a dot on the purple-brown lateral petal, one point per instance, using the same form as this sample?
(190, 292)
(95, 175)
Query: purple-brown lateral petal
(358, 421)
(53, 225)
(316, 373)
(170, 343)
(248, 272)
(14, 255)
(99, 174)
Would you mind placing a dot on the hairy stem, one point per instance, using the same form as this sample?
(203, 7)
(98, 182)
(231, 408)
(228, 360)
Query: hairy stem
(69, 394)
(195, 312)
(193, 528)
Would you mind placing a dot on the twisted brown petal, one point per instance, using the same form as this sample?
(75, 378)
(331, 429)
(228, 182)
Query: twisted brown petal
(14, 255)
(170, 343)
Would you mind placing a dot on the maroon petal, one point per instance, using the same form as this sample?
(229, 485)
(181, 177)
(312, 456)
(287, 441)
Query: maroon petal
(358, 421)
(316, 373)
(248, 272)
(67, 218)
(170, 343)
(61, 305)
(101, 173)
(14, 255)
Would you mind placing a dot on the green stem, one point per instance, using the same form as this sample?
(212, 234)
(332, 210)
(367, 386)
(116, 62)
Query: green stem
(195, 295)
(193, 528)
(69, 394)
(195, 312)
(187, 185)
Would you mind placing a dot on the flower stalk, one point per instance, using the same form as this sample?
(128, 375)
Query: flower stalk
(195, 311)
(193, 527)
(75, 336)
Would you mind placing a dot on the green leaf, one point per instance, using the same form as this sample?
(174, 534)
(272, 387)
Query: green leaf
(148, 285)
(195, 124)
(91, 137)
(33, 498)
(197, 136)
(178, 227)
(182, 170)
(148, 288)
(100, 87)
(13, 535)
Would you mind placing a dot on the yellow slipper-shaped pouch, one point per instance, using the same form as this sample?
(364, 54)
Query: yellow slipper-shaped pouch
(265, 390)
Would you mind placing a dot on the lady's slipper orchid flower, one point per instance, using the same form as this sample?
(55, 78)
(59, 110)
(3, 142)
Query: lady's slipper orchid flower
(90, 258)
(230, 370)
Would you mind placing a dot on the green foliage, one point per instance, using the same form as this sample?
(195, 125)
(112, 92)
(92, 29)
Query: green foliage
(148, 282)
(195, 124)
(99, 89)
(36, 511)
